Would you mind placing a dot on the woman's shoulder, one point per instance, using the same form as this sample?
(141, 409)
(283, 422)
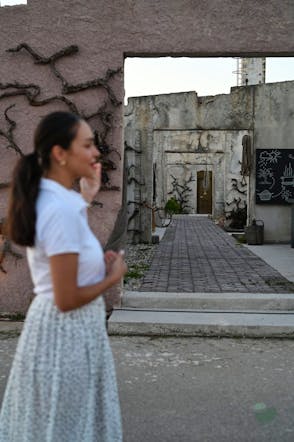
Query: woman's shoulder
(54, 211)
(59, 226)
(58, 229)
(48, 207)
(49, 202)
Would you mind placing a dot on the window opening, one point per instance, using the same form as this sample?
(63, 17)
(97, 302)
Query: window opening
(13, 2)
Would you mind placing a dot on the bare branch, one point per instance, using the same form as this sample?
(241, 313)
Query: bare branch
(39, 59)
(9, 134)
(32, 92)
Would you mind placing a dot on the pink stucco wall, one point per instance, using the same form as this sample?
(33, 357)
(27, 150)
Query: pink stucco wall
(107, 31)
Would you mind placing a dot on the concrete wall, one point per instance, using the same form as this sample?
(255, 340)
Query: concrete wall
(105, 33)
(184, 153)
(186, 134)
(273, 129)
(192, 133)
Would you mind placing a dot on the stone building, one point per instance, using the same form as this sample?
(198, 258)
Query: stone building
(182, 139)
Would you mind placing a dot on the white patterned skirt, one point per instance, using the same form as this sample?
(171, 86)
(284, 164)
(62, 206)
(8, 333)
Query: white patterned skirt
(62, 384)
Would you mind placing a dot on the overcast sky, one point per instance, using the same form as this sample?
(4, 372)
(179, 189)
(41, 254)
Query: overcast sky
(206, 76)
(12, 2)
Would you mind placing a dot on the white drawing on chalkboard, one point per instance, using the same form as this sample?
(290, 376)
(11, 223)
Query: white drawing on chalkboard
(288, 177)
(264, 175)
(266, 162)
(286, 194)
(265, 195)
(270, 157)
(287, 180)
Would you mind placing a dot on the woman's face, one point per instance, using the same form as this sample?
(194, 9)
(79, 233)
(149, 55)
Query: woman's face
(82, 154)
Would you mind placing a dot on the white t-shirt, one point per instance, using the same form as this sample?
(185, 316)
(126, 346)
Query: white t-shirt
(62, 227)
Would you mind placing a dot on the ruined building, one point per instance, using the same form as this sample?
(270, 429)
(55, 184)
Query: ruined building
(181, 141)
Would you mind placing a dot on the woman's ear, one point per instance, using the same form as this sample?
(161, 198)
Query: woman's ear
(59, 155)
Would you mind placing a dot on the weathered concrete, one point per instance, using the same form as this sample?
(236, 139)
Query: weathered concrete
(7, 327)
(105, 33)
(202, 323)
(208, 301)
(278, 256)
(184, 153)
(188, 134)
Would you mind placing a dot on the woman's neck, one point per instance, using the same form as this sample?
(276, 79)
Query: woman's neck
(60, 178)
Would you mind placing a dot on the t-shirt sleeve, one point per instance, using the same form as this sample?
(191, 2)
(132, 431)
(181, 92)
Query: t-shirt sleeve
(60, 231)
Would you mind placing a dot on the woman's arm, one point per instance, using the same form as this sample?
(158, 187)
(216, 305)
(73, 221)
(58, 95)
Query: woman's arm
(67, 295)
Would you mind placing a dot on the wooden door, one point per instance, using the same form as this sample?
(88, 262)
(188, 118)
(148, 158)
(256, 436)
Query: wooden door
(204, 192)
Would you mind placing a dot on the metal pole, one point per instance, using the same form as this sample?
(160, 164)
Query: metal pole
(292, 227)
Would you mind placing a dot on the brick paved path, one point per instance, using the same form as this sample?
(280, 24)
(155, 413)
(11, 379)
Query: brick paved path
(195, 255)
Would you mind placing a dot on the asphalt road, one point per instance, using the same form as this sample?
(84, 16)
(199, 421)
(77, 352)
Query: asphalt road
(199, 389)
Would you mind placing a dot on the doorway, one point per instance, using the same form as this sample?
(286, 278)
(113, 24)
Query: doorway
(204, 192)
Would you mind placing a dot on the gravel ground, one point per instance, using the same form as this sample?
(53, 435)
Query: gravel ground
(138, 258)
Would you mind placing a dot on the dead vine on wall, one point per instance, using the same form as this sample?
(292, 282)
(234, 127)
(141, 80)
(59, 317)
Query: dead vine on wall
(32, 92)
(236, 209)
(180, 192)
(132, 171)
(6, 247)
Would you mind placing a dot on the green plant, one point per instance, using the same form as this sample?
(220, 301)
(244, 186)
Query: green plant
(240, 238)
(136, 271)
(172, 206)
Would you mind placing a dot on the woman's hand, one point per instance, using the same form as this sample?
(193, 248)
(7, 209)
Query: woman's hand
(115, 264)
(64, 269)
(90, 186)
(109, 258)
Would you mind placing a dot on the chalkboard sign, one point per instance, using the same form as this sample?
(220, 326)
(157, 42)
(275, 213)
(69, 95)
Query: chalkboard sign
(274, 176)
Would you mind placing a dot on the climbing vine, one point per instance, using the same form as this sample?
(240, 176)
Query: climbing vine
(237, 214)
(236, 209)
(8, 134)
(180, 192)
(33, 94)
(6, 247)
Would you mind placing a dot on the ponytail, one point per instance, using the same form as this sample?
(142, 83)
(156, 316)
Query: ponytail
(21, 220)
(57, 128)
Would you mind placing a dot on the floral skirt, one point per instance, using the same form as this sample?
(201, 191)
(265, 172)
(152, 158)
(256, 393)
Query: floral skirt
(62, 384)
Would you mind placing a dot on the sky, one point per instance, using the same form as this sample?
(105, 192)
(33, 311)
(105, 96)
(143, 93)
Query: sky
(206, 76)
(12, 2)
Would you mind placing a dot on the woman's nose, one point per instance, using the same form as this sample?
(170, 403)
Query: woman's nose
(97, 152)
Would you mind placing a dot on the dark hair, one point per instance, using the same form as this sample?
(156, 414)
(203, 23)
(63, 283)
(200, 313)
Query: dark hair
(57, 128)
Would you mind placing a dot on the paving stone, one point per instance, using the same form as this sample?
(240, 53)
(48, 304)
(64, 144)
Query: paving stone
(195, 255)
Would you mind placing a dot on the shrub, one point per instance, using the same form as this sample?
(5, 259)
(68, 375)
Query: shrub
(173, 206)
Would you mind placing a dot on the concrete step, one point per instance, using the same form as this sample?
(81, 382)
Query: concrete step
(211, 301)
(266, 324)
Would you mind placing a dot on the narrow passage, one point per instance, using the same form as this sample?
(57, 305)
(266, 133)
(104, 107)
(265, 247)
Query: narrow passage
(195, 255)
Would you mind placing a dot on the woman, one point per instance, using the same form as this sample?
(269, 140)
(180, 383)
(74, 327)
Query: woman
(62, 385)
